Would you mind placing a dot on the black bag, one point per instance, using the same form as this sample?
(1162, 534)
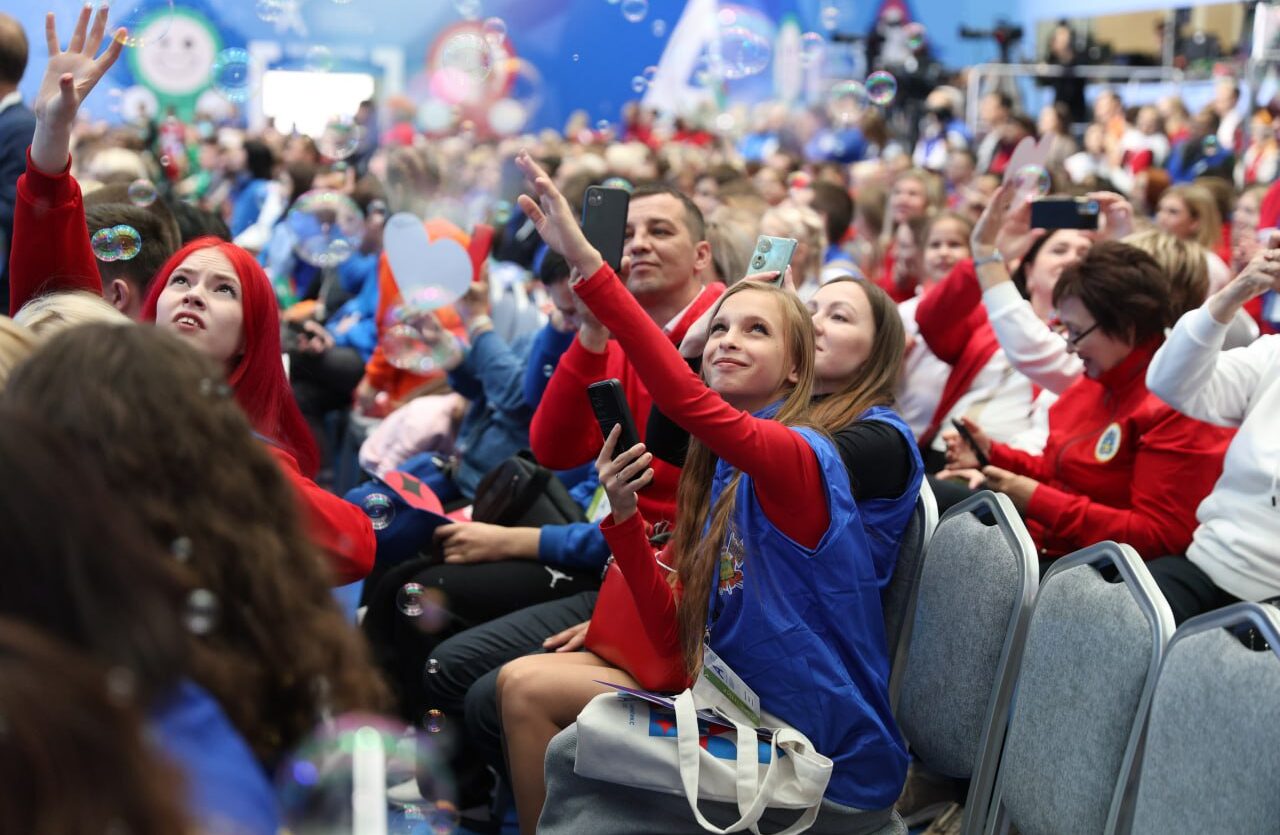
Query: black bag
(520, 492)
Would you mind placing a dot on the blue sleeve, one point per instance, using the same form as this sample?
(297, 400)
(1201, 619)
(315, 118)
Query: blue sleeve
(579, 545)
(357, 271)
(548, 346)
(355, 324)
(499, 371)
(583, 487)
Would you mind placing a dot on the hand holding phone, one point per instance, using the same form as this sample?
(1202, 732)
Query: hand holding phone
(604, 222)
(983, 460)
(1069, 213)
(772, 254)
(610, 406)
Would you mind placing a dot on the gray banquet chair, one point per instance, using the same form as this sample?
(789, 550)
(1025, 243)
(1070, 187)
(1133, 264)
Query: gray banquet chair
(974, 599)
(1212, 752)
(1088, 669)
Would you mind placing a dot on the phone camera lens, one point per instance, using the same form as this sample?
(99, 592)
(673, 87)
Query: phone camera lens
(594, 200)
(757, 262)
(764, 246)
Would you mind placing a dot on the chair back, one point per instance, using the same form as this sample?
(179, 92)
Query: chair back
(1089, 665)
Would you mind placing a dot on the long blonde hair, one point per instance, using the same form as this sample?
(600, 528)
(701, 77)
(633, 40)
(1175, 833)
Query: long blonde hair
(696, 553)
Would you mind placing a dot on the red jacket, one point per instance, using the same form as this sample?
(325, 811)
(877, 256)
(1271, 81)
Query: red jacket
(51, 252)
(1119, 464)
(564, 432)
(953, 323)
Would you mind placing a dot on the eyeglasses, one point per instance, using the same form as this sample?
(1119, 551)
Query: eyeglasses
(1072, 340)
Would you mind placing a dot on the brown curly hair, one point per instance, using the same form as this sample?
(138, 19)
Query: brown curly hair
(157, 419)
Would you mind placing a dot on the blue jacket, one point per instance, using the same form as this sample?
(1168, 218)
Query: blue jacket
(247, 205)
(496, 425)
(355, 324)
(227, 790)
(804, 628)
(548, 346)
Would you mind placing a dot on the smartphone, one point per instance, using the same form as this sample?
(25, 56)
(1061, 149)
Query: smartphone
(1068, 213)
(983, 460)
(610, 406)
(604, 222)
(771, 254)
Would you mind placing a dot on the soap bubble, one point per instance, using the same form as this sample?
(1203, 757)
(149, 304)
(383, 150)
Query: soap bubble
(635, 10)
(659, 28)
(229, 75)
(181, 549)
(469, 9)
(327, 227)
(116, 243)
(339, 778)
(201, 612)
(576, 57)
(1210, 145)
(409, 600)
(434, 721)
(744, 52)
(1030, 182)
(639, 84)
(380, 510)
(603, 125)
(433, 666)
(147, 22)
(830, 17)
(881, 87)
(846, 100)
(619, 182)
(414, 340)
(142, 192)
(340, 138)
(468, 56)
(502, 212)
(812, 48)
(915, 35)
(495, 31)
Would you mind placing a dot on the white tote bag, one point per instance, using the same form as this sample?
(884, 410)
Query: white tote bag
(632, 742)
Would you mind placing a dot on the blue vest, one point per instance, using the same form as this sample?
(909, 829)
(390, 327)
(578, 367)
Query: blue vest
(885, 520)
(804, 629)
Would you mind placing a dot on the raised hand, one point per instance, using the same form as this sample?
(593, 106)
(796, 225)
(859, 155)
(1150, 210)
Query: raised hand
(554, 220)
(624, 476)
(1259, 275)
(68, 78)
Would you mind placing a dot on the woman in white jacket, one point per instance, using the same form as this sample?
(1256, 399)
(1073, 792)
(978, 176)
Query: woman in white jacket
(1233, 554)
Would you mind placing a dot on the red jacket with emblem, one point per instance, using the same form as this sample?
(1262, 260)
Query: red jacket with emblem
(1119, 464)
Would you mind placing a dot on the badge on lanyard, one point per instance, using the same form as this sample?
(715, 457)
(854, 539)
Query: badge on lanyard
(719, 685)
(599, 506)
(1108, 444)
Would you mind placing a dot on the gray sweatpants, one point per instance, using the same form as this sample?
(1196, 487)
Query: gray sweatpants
(579, 805)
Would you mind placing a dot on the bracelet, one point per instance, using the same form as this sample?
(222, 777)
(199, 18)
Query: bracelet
(983, 260)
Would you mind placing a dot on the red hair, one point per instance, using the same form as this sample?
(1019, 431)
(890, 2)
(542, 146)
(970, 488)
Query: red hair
(257, 378)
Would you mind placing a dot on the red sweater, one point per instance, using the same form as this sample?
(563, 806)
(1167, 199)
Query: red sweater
(1119, 464)
(953, 322)
(51, 252)
(564, 432)
(781, 463)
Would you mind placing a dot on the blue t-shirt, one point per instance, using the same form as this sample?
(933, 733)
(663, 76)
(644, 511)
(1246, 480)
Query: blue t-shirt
(804, 628)
(227, 790)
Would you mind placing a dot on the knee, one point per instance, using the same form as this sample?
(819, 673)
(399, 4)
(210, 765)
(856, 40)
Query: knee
(522, 686)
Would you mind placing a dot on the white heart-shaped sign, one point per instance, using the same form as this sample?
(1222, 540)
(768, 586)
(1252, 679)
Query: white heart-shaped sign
(430, 274)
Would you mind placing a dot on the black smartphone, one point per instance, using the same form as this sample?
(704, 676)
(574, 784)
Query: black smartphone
(983, 460)
(610, 406)
(604, 221)
(1068, 213)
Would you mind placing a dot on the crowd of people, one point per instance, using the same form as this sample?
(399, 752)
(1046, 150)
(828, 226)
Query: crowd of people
(168, 634)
